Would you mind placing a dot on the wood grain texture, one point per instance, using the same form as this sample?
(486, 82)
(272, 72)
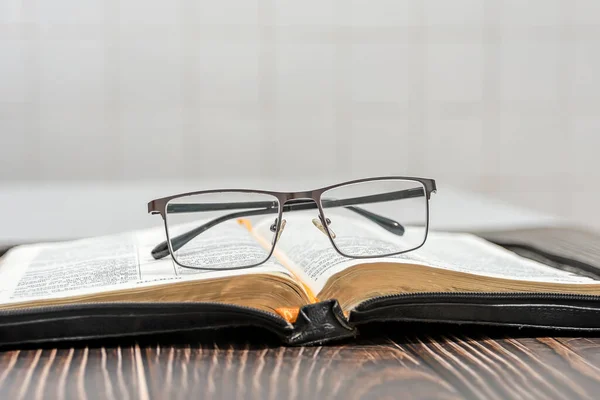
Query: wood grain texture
(390, 361)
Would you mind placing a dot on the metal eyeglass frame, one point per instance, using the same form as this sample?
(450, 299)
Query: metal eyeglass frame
(286, 201)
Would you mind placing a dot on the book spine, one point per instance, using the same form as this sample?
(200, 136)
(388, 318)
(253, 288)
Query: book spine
(319, 323)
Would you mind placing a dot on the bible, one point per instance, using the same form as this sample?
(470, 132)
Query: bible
(305, 293)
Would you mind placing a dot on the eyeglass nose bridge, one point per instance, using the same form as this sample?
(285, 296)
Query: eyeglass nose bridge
(300, 201)
(306, 195)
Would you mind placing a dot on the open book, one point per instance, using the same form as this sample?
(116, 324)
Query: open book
(304, 269)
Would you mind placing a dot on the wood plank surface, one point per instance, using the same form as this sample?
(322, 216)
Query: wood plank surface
(389, 361)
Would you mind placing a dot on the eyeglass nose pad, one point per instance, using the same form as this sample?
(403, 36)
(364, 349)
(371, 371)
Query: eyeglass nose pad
(273, 228)
(319, 225)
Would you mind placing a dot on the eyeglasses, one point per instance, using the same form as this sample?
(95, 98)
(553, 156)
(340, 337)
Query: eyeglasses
(237, 228)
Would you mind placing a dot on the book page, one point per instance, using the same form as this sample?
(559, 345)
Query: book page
(310, 251)
(115, 262)
(307, 251)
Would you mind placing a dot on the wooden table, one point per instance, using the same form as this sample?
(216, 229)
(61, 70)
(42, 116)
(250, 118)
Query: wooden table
(389, 360)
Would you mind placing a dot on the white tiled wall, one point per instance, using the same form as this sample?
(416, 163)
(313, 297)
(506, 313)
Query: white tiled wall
(500, 97)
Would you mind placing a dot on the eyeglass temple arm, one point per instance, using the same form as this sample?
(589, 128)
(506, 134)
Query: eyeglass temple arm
(162, 249)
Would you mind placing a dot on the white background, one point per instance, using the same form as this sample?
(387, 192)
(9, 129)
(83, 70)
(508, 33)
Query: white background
(497, 97)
